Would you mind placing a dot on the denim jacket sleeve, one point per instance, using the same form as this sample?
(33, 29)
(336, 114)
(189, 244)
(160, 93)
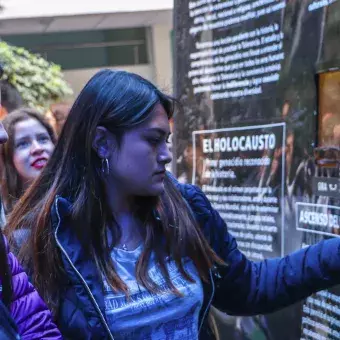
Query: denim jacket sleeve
(245, 287)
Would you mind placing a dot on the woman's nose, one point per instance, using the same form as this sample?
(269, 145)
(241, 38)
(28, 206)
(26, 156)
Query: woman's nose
(36, 147)
(166, 156)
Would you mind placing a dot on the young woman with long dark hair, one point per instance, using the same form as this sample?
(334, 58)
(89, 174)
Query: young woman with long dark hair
(120, 250)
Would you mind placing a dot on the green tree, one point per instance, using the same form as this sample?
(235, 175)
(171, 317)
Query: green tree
(39, 82)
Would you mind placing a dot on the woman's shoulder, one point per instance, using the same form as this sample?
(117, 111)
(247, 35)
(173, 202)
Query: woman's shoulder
(194, 195)
(26, 301)
(29, 311)
(20, 281)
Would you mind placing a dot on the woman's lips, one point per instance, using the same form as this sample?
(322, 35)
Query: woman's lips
(39, 163)
(160, 174)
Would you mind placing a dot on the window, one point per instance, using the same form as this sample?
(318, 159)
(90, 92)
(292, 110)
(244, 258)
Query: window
(329, 109)
(88, 49)
(327, 154)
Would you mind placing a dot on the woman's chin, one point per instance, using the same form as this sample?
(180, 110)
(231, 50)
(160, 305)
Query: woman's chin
(156, 189)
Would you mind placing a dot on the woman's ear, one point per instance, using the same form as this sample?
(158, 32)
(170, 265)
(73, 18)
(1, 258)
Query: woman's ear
(102, 142)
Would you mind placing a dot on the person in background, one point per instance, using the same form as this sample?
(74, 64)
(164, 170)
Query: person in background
(29, 147)
(27, 317)
(10, 98)
(57, 116)
(23, 314)
(120, 249)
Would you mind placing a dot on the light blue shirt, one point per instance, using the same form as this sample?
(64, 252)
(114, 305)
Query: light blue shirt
(148, 316)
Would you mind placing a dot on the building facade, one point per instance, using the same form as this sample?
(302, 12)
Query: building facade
(84, 38)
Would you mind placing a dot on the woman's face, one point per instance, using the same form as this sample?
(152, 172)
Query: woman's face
(137, 166)
(32, 149)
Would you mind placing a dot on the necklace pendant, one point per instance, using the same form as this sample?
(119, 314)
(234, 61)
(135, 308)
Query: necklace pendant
(125, 247)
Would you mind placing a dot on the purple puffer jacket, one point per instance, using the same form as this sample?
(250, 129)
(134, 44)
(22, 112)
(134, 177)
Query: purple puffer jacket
(28, 310)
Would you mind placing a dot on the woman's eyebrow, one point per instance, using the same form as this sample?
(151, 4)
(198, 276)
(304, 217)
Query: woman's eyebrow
(20, 138)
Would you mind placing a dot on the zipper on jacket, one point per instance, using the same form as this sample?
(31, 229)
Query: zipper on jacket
(80, 276)
(209, 303)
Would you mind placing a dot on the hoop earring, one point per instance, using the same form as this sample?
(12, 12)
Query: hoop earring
(105, 166)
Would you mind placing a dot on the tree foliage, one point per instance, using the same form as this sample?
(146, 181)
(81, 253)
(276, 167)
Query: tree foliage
(39, 82)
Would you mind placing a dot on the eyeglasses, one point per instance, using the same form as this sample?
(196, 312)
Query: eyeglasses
(327, 156)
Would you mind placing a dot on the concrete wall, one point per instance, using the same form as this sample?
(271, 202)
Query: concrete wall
(162, 56)
(159, 70)
(78, 78)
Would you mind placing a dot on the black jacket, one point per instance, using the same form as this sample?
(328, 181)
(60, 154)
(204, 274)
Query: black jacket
(8, 328)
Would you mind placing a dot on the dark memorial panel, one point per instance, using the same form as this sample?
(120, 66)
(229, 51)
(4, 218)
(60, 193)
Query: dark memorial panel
(259, 84)
(231, 169)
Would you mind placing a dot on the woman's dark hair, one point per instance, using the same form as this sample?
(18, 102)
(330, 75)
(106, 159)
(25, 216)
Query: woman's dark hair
(5, 273)
(119, 101)
(11, 186)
